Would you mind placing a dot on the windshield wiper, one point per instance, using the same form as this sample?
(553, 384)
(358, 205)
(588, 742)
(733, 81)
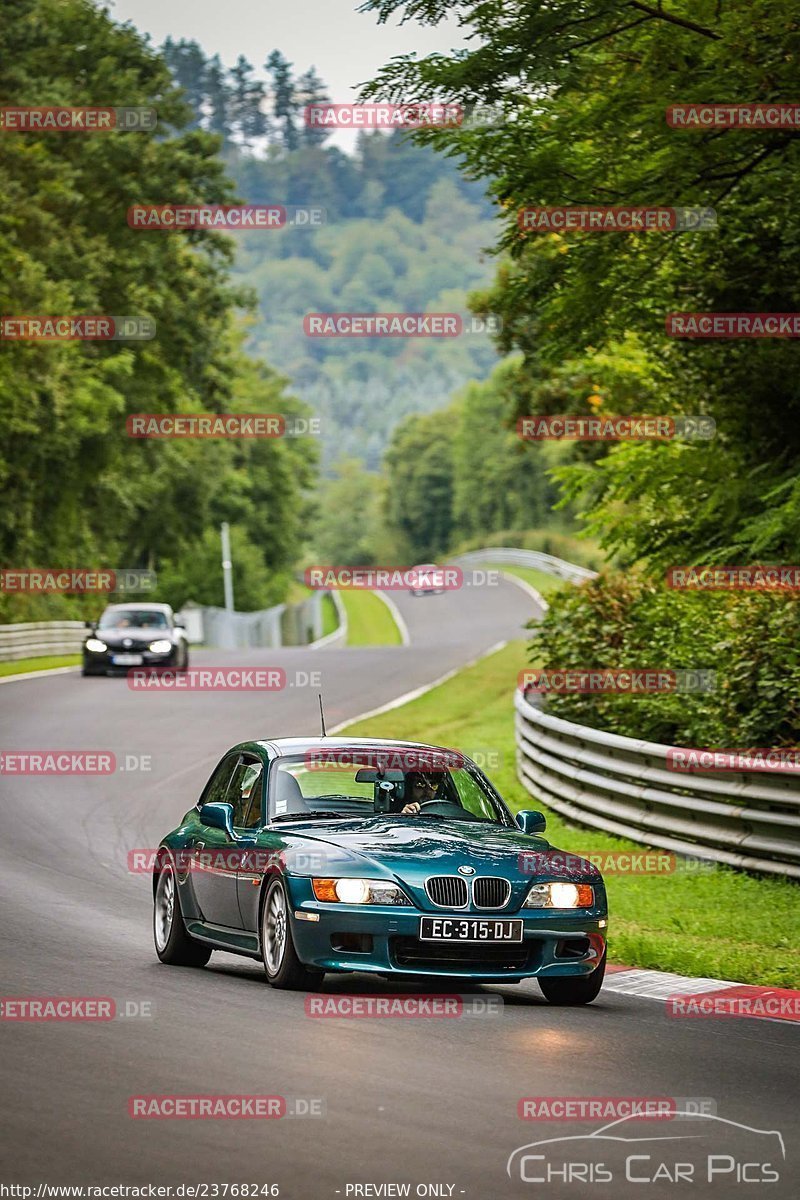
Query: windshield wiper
(310, 816)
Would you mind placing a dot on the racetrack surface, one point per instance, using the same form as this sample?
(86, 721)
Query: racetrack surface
(422, 1101)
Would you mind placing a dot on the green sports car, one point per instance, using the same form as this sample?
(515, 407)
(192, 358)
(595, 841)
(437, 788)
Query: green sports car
(395, 858)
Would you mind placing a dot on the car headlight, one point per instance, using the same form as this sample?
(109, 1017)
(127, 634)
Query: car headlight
(95, 646)
(358, 891)
(162, 646)
(560, 895)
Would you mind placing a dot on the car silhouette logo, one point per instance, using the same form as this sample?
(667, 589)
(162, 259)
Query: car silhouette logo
(466, 870)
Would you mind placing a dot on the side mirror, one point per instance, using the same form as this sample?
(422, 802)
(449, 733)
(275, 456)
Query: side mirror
(531, 821)
(218, 816)
(179, 624)
(90, 624)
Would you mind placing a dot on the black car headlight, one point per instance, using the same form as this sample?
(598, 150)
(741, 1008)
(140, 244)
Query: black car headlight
(95, 646)
(162, 646)
(358, 891)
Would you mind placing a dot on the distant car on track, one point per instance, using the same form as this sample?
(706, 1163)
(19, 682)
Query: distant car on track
(299, 853)
(135, 635)
(426, 580)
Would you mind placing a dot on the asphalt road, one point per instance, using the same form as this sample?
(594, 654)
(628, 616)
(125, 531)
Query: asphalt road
(405, 1101)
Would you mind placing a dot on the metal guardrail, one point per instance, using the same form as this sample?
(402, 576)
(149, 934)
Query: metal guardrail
(622, 786)
(528, 558)
(282, 625)
(35, 639)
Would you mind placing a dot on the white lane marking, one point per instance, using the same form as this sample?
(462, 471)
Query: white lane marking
(38, 674)
(397, 616)
(407, 697)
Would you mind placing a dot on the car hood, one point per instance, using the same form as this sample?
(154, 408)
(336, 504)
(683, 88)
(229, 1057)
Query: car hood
(412, 849)
(116, 637)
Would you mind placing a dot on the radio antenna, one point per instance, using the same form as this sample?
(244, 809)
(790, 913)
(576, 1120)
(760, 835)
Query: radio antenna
(322, 715)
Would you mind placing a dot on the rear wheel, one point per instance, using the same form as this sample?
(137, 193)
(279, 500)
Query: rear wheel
(283, 967)
(173, 944)
(576, 989)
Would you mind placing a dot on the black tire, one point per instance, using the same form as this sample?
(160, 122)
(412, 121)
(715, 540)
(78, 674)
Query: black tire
(281, 964)
(173, 944)
(182, 658)
(575, 989)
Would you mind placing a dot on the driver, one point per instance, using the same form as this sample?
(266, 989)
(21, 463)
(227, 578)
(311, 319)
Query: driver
(420, 786)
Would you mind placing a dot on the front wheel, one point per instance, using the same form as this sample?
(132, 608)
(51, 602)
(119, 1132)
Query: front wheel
(173, 944)
(283, 967)
(580, 989)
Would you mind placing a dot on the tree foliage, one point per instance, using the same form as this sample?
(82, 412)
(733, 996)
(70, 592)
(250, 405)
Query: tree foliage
(74, 488)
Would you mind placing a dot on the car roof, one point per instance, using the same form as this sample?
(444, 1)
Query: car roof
(146, 605)
(301, 745)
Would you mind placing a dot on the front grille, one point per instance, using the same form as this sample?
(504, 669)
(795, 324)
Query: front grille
(444, 956)
(447, 891)
(489, 891)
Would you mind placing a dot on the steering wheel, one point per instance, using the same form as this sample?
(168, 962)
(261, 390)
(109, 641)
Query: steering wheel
(439, 804)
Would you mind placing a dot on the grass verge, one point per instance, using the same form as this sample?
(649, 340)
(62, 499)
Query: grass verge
(330, 617)
(24, 666)
(542, 582)
(721, 923)
(369, 621)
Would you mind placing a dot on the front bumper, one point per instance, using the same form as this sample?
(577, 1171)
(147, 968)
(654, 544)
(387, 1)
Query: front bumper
(101, 663)
(384, 941)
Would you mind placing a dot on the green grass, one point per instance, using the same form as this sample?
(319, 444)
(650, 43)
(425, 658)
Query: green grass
(24, 665)
(722, 923)
(369, 622)
(330, 617)
(542, 582)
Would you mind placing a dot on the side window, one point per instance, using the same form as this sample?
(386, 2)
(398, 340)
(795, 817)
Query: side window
(217, 786)
(244, 793)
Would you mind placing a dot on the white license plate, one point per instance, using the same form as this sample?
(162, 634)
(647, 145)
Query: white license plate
(469, 929)
(127, 660)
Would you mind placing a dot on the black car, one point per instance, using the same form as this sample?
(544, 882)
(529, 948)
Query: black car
(135, 635)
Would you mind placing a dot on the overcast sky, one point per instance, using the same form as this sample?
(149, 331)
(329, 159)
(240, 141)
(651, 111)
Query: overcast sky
(346, 47)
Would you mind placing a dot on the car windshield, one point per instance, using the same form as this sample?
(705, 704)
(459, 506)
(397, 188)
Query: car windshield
(133, 618)
(303, 788)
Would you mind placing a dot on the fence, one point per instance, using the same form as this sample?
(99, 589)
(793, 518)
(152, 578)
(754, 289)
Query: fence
(35, 639)
(622, 785)
(282, 625)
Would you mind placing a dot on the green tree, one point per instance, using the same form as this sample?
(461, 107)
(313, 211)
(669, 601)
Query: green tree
(284, 99)
(419, 470)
